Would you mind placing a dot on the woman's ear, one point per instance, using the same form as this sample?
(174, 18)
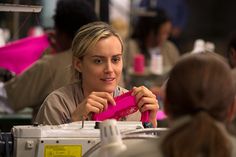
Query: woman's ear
(77, 64)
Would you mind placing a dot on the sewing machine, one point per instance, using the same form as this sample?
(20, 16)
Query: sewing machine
(61, 140)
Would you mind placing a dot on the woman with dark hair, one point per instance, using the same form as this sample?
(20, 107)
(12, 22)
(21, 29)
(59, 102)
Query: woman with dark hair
(199, 103)
(151, 33)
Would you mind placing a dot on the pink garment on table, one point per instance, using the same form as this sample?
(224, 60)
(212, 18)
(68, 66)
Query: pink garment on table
(125, 105)
(19, 55)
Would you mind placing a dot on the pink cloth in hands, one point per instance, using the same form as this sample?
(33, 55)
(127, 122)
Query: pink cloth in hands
(125, 105)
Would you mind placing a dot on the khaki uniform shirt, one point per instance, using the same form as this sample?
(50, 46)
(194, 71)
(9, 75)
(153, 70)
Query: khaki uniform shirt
(60, 104)
(31, 87)
(169, 52)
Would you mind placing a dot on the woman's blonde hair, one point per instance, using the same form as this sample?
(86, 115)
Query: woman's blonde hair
(87, 36)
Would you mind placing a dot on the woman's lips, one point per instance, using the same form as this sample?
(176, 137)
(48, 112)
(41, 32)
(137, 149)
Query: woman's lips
(108, 79)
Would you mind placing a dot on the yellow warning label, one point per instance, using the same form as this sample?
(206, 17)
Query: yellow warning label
(63, 151)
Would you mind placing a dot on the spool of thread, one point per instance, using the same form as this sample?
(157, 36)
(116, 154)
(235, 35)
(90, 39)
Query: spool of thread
(139, 63)
(156, 65)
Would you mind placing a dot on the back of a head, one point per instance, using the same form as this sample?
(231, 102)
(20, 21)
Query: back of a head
(200, 86)
(200, 82)
(72, 14)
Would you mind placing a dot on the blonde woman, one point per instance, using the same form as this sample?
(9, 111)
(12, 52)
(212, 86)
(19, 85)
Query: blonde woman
(97, 64)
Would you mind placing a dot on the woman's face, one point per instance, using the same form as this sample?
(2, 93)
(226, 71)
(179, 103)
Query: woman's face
(101, 67)
(164, 32)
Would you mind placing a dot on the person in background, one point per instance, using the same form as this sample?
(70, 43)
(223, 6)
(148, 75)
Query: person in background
(199, 102)
(178, 12)
(152, 32)
(97, 65)
(150, 37)
(53, 70)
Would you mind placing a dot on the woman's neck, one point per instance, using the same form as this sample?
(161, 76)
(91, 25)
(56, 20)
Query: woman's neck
(85, 91)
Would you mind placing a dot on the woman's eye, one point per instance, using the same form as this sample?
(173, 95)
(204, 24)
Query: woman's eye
(97, 61)
(116, 59)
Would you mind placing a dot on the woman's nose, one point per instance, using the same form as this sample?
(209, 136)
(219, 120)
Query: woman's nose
(108, 67)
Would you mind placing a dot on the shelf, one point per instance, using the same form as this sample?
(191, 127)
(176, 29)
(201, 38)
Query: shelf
(19, 8)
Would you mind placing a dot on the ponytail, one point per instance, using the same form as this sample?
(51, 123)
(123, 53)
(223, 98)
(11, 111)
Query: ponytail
(198, 137)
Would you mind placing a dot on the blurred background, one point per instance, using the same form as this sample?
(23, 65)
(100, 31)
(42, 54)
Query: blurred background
(211, 20)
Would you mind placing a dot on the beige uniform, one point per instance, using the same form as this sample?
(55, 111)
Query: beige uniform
(60, 104)
(169, 52)
(31, 87)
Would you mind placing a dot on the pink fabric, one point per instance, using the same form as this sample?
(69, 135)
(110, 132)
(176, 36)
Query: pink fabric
(20, 54)
(125, 105)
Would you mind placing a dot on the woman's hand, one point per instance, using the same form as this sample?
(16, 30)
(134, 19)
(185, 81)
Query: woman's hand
(147, 101)
(96, 102)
